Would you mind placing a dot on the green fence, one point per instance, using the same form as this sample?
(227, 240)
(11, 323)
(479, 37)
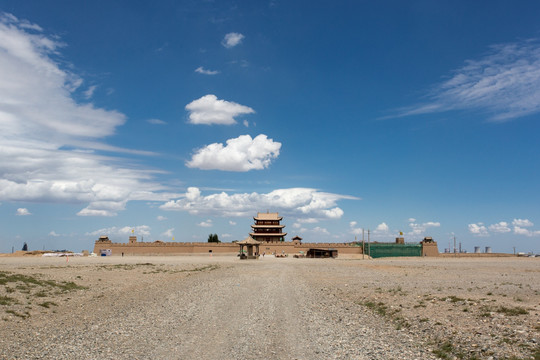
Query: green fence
(377, 250)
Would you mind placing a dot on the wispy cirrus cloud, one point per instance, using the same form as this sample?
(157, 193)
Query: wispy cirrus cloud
(50, 143)
(293, 201)
(209, 110)
(204, 71)
(168, 233)
(239, 154)
(90, 91)
(504, 84)
(156, 122)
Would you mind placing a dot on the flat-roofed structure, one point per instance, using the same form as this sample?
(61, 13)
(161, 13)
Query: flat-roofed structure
(322, 253)
(267, 228)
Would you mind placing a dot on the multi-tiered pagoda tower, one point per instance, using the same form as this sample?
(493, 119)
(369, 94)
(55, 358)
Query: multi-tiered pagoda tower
(267, 228)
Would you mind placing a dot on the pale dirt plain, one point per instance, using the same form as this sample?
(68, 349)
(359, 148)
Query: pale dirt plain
(201, 307)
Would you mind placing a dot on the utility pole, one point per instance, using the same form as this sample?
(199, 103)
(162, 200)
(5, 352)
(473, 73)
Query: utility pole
(363, 244)
(368, 244)
(455, 254)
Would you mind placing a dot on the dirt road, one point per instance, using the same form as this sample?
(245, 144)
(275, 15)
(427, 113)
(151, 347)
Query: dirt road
(218, 309)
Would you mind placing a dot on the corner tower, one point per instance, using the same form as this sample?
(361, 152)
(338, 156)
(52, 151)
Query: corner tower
(267, 228)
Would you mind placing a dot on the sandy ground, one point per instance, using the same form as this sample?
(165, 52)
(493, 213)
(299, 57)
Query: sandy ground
(186, 307)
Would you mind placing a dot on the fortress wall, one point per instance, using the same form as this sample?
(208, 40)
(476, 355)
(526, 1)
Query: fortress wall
(170, 248)
(430, 249)
(177, 248)
(341, 248)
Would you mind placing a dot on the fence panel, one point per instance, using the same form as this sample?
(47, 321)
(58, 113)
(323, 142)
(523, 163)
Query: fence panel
(377, 250)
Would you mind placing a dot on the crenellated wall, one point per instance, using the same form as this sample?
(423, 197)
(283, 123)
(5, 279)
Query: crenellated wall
(178, 248)
(181, 248)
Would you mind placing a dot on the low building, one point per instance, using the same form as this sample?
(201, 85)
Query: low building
(322, 253)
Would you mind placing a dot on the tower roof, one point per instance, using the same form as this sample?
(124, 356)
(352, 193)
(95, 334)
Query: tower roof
(249, 241)
(268, 216)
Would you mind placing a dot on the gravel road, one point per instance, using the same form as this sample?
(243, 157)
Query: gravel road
(270, 309)
(224, 308)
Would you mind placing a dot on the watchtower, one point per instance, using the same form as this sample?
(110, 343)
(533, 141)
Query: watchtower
(267, 228)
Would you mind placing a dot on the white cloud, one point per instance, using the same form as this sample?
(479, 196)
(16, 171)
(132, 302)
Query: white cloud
(308, 221)
(522, 223)
(353, 229)
(500, 227)
(232, 39)
(207, 223)
(226, 235)
(125, 231)
(381, 231)
(204, 71)
(478, 229)
(320, 230)
(412, 220)
(382, 228)
(161, 218)
(296, 225)
(240, 154)
(23, 212)
(232, 223)
(49, 142)
(417, 230)
(504, 83)
(90, 92)
(334, 213)
(209, 110)
(522, 231)
(292, 201)
(23, 24)
(54, 234)
(156, 122)
(168, 233)
(246, 123)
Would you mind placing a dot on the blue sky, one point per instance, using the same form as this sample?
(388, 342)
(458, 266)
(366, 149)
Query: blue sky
(184, 118)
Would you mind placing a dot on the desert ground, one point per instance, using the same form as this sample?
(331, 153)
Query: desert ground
(201, 307)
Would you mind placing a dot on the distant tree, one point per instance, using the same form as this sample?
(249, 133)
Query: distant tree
(213, 238)
(25, 247)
